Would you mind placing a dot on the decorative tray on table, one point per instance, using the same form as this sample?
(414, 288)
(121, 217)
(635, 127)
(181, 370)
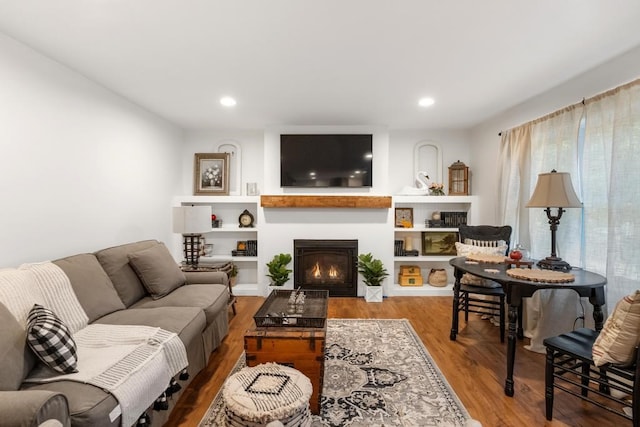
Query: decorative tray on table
(294, 308)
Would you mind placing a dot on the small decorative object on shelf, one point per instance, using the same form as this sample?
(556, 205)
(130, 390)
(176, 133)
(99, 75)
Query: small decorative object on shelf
(439, 243)
(246, 248)
(434, 223)
(438, 277)
(215, 222)
(436, 189)
(458, 179)
(207, 248)
(404, 217)
(252, 189)
(410, 275)
(211, 174)
(245, 219)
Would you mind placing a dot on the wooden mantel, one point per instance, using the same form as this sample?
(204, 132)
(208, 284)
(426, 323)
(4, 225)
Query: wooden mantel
(290, 201)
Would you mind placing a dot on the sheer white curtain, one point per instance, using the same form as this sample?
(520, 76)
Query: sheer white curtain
(594, 141)
(612, 189)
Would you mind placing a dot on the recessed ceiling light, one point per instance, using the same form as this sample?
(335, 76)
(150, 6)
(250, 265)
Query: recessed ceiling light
(426, 102)
(227, 101)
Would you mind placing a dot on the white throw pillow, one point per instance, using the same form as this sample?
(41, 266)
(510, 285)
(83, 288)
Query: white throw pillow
(470, 279)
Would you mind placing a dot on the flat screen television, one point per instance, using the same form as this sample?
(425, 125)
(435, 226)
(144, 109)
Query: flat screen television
(326, 160)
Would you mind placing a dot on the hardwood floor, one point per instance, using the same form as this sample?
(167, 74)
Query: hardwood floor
(474, 365)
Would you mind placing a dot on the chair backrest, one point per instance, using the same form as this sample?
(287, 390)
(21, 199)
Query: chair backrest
(487, 233)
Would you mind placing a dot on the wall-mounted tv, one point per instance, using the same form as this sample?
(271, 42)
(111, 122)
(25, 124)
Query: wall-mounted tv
(326, 160)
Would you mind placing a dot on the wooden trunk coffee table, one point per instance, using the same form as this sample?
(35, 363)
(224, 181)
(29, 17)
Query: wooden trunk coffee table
(291, 337)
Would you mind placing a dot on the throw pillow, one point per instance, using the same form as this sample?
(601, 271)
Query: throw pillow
(485, 243)
(51, 340)
(621, 333)
(464, 250)
(157, 270)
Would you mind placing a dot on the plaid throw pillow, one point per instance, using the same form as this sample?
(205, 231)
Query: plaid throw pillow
(51, 340)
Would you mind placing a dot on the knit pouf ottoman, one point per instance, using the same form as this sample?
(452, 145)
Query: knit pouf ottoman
(267, 394)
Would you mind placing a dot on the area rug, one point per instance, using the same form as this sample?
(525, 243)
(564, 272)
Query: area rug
(376, 373)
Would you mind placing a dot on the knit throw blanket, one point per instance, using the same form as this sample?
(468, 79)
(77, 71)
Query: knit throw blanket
(134, 363)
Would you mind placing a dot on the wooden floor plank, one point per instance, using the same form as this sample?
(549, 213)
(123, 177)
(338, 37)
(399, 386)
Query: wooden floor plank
(474, 365)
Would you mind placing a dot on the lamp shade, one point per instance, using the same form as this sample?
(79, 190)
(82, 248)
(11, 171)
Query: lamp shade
(554, 190)
(191, 219)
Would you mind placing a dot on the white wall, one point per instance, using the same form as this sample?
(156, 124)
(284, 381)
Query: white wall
(81, 168)
(485, 137)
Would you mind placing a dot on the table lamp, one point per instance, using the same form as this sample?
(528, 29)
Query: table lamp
(191, 222)
(554, 190)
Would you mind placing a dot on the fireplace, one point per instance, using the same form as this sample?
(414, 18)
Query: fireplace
(326, 264)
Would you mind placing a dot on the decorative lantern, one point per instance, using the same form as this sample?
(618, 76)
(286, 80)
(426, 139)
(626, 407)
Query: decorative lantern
(458, 179)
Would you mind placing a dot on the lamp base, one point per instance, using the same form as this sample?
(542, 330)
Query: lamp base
(191, 245)
(554, 263)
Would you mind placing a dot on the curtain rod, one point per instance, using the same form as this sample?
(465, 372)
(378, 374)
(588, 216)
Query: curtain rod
(586, 100)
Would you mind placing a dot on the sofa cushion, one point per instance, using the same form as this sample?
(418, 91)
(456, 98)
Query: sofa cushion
(51, 340)
(210, 298)
(91, 285)
(188, 322)
(115, 261)
(16, 358)
(157, 269)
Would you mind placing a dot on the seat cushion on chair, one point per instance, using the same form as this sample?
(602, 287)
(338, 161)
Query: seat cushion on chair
(620, 335)
(464, 250)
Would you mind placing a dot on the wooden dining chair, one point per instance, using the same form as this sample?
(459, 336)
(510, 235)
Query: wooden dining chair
(494, 296)
(570, 367)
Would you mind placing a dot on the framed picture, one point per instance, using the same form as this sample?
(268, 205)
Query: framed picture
(211, 174)
(404, 217)
(439, 242)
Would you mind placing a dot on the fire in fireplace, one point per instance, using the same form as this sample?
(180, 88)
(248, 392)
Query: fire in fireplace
(326, 264)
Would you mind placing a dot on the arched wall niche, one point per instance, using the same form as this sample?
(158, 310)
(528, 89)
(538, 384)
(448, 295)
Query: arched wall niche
(427, 157)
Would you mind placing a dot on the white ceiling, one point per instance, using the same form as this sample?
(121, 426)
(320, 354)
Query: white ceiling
(326, 62)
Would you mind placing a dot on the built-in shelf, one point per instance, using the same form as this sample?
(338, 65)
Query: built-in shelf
(290, 201)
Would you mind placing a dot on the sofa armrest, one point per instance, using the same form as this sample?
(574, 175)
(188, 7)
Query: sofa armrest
(33, 407)
(206, 277)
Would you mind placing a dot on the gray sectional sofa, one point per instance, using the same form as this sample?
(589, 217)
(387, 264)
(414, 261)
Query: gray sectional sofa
(132, 284)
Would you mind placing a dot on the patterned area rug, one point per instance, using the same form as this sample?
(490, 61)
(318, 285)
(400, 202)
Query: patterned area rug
(376, 373)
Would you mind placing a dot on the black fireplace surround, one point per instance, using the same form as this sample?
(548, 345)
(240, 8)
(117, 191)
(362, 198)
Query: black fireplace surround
(326, 265)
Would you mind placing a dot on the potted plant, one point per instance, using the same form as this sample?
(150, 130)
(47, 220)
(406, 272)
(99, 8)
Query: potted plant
(278, 271)
(373, 273)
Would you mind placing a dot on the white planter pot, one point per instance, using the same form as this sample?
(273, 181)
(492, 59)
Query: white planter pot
(373, 294)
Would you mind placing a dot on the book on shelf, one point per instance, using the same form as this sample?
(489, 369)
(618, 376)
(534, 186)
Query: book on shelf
(398, 247)
(453, 219)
